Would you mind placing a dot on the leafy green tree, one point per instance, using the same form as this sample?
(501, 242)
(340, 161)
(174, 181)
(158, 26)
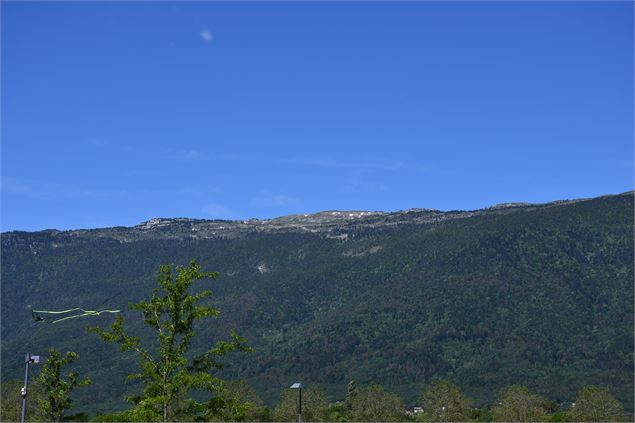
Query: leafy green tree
(11, 404)
(239, 402)
(596, 404)
(560, 416)
(481, 415)
(518, 404)
(337, 412)
(374, 404)
(351, 393)
(57, 387)
(168, 373)
(444, 402)
(314, 405)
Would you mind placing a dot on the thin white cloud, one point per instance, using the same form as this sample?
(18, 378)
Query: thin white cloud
(357, 185)
(182, 154)
(190, 191)
(206, 35)
(98, 142)
(363, 181)
(324, 162)
(108, 145)
(218, 211)
(265, 199)
(379, 164)
(45, 190)
(15, 186)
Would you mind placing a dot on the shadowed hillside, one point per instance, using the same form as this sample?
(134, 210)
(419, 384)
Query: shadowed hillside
(539, 295)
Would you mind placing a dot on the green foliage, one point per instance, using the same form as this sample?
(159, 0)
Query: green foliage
(338, 412)
(168, 374)
(518, 404)
(238, 402)
(57, 387)
(596, 404)
(109, 417)
(481, 415)
(374, 404)
(314, 405)
(132, 415)
(560, 416)
(11, 401)
(443, 401)
(351, 393)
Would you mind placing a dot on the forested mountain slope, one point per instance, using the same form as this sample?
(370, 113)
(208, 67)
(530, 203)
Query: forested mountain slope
(539, 295)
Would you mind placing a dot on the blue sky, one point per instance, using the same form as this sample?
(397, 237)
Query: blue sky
(115, 113)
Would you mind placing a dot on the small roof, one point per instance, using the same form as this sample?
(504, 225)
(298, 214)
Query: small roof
(297, 385)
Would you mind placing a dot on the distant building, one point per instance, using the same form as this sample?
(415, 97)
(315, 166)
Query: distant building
(415, 409)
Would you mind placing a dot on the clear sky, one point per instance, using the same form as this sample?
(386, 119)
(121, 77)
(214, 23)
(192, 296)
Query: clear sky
(115, 113)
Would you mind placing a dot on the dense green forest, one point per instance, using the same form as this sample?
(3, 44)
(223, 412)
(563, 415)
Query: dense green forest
(539, 296)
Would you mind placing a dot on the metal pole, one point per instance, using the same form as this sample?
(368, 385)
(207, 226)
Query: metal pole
(300, 406)
(24, 388)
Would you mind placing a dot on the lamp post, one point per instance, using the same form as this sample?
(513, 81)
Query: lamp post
(24, 391)
(299, 387)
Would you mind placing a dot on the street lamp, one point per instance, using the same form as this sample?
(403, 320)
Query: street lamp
(299, 387)
(29, 359)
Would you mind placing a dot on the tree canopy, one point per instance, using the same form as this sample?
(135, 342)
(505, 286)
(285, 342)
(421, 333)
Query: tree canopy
(314, 405)
(518, 404)
(443, 401)
(374, 404)
(57, 388)
(596, 404)
(169, 374)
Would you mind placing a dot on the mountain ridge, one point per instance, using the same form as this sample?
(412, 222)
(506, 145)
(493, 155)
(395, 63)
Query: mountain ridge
(326, 221)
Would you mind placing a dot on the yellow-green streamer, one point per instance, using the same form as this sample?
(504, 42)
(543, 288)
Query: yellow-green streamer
(70, 310)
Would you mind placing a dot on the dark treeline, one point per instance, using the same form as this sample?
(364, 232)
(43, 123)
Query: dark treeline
(441, 401)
